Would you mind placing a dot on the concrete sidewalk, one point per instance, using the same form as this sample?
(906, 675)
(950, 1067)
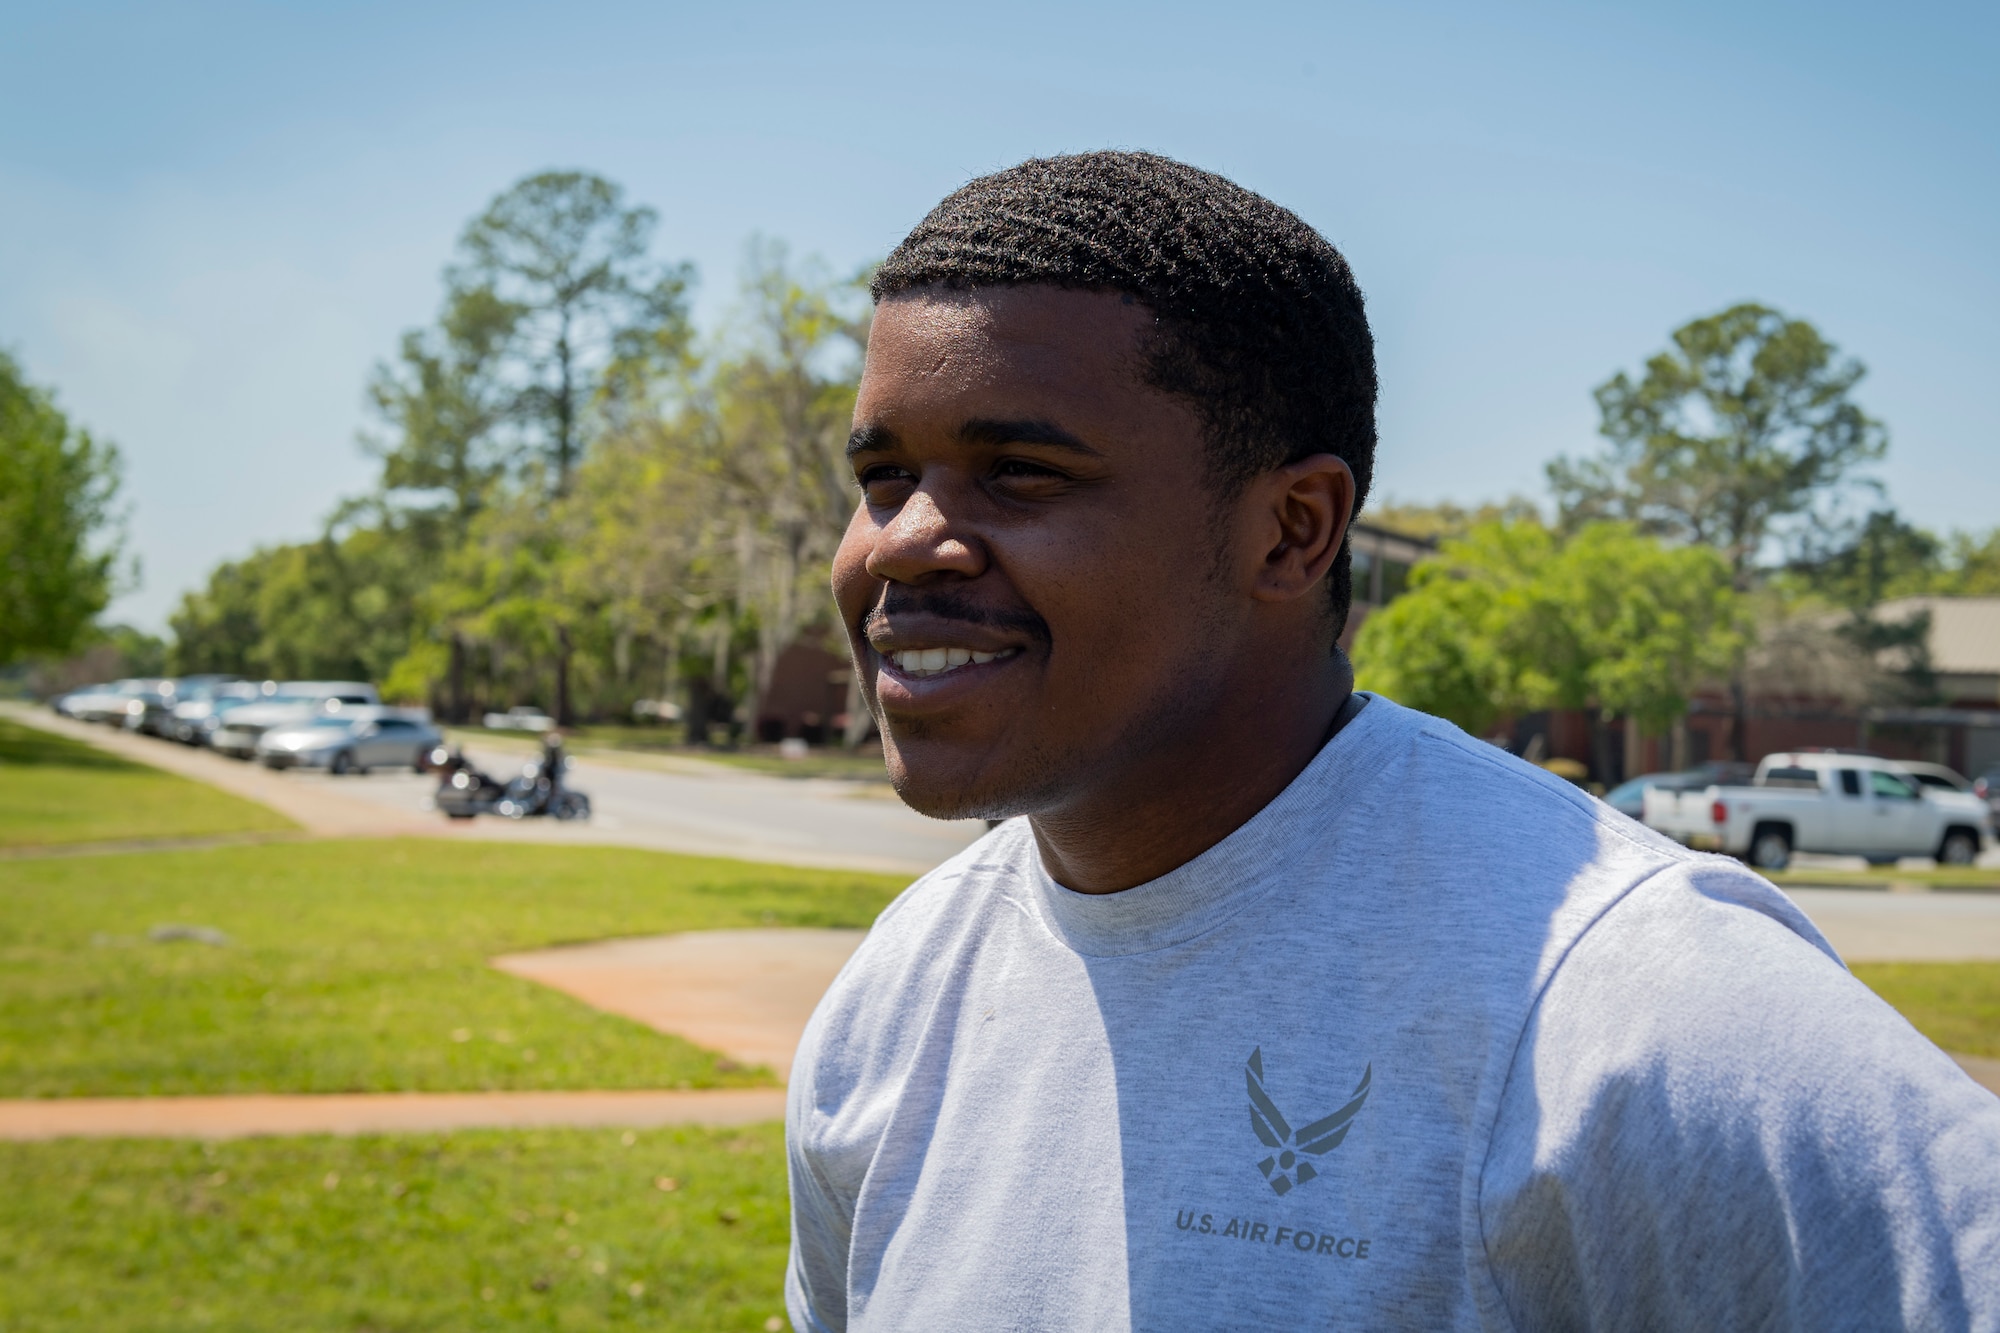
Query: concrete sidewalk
(1984, 1072)
(746, 993)
(379, 1113)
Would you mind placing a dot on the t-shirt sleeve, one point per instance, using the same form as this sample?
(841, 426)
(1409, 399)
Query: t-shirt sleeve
(822, 1219)
(1710, 1124)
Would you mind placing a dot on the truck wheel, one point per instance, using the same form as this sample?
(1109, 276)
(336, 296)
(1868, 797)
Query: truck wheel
(1959, 848)
(1770, 849)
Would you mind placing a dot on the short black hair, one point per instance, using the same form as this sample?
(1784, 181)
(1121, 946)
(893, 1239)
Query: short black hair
(1261, 324)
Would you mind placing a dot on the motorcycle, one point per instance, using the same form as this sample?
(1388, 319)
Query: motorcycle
(464, 792)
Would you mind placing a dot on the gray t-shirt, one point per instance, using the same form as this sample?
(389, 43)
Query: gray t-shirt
(1433, 1041)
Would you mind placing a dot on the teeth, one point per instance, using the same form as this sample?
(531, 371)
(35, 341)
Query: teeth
(935, 661)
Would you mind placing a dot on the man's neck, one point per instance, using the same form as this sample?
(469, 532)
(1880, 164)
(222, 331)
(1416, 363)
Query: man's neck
(1191, 792)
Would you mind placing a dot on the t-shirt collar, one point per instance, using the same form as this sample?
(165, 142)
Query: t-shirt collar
(1198, 896)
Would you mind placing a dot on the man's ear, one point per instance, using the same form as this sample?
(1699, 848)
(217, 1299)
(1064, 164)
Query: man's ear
(1300, 512)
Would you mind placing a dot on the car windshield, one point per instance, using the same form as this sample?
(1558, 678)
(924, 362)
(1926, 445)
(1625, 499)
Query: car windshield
(342, 723)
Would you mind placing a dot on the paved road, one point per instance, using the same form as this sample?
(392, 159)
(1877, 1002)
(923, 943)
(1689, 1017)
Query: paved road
(690, 806)
(676, 805)
(1871, 926)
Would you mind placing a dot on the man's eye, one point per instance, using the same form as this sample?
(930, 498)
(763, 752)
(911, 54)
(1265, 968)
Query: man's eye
(1022, 467)
(883, 474)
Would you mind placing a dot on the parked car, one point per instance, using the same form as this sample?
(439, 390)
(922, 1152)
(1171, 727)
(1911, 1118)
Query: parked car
(1949, 789)
(1845, 804)
(519, 718)
(196, 717)
(77, 701)
(151, 710)
(1629, 798)
(102, 703)
(352, 740)
(1987, 788)
(293, 701)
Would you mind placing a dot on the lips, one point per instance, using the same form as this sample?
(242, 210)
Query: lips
(938, 648)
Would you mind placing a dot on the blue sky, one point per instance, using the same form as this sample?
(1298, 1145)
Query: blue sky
(214, 218)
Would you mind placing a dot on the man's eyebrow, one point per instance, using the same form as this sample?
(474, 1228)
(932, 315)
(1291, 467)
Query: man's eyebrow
(989, 431)
(978, 431)
(870, 440)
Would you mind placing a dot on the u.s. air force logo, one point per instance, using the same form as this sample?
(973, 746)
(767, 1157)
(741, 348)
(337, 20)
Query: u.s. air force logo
(1283, 1167)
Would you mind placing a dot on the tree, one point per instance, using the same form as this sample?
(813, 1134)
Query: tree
(1457, 642)
(346, 605)
(1972, 565)
(1444, 519)
(782, 404)
(443, 398)
(656, 546)
(1651, 623)
(1515, 617)
(59, 537)
(578, 505)
(1887, 557)
(1741, 433)
(564, 260)
(1890, 557)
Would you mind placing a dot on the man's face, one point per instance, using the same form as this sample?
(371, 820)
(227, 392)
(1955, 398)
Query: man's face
(1031, 582)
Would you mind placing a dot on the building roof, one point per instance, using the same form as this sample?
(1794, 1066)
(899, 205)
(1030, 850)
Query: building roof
(1965, 631)
(1389, 542)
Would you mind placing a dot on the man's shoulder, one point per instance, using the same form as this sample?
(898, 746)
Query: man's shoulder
(988, 873)
(1425, 782)
(914, 942)
(1701, 1076)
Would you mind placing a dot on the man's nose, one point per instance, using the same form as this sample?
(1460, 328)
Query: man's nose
(922, 542)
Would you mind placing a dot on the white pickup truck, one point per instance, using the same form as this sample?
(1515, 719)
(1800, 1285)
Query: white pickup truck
(1844, 804)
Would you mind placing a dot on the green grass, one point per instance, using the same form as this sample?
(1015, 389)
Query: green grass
(359, 966)
(1956, 1005)
(55, 791)
(468, 1231)
(1944, 877)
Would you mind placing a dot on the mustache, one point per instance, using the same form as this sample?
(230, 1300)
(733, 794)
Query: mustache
(949, 604)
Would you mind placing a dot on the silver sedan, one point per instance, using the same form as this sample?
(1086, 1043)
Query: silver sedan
(352, 741)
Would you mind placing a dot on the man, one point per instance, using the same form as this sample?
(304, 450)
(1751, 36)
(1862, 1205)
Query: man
(1282, 1007)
